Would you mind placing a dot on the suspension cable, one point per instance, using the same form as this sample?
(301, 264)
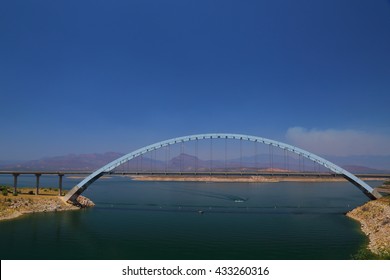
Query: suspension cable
(196, 156)
(256, 159)
(181, 156)
(166, 158)
(211, 155)
(225, 154)
(240, 155)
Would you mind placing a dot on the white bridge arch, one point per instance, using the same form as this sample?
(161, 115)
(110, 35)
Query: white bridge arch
(72, 195)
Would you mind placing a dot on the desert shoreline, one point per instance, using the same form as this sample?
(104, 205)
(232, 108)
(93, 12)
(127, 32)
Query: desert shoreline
(27, 202)
(240, 179)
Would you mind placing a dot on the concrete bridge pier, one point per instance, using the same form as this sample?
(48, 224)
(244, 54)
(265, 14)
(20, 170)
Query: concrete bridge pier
(60, 184)
(15, 182)
(37, 183)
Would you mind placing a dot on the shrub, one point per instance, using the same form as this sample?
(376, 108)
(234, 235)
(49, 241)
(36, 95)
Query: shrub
(386, 221)
(4, 191)
(364, 254)
(30, 192)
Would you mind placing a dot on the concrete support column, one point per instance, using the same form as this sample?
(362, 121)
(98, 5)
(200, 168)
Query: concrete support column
(60, 184)
(37, 183)
(15, 182)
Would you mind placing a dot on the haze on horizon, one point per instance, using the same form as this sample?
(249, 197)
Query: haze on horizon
(97, 76)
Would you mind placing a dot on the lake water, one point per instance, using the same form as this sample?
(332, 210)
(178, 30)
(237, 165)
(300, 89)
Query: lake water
(184, 220)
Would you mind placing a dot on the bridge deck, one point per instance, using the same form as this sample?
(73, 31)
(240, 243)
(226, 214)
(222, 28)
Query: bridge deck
(178, 173)
(40, 172)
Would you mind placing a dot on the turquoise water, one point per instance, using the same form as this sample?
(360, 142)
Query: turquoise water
(183, 220)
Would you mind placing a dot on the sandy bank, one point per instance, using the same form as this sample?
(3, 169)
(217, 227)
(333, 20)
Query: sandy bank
(374, 217)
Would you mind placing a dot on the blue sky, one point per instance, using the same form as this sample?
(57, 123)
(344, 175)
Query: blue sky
(97, 76)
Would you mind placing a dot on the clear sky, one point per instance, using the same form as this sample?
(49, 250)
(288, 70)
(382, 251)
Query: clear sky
(96, 76)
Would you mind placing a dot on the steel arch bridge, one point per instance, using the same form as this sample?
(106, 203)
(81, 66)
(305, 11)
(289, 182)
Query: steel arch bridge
(72, 195)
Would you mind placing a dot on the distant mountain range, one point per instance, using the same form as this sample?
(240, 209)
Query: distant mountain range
(185, 162)
(82, 162)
